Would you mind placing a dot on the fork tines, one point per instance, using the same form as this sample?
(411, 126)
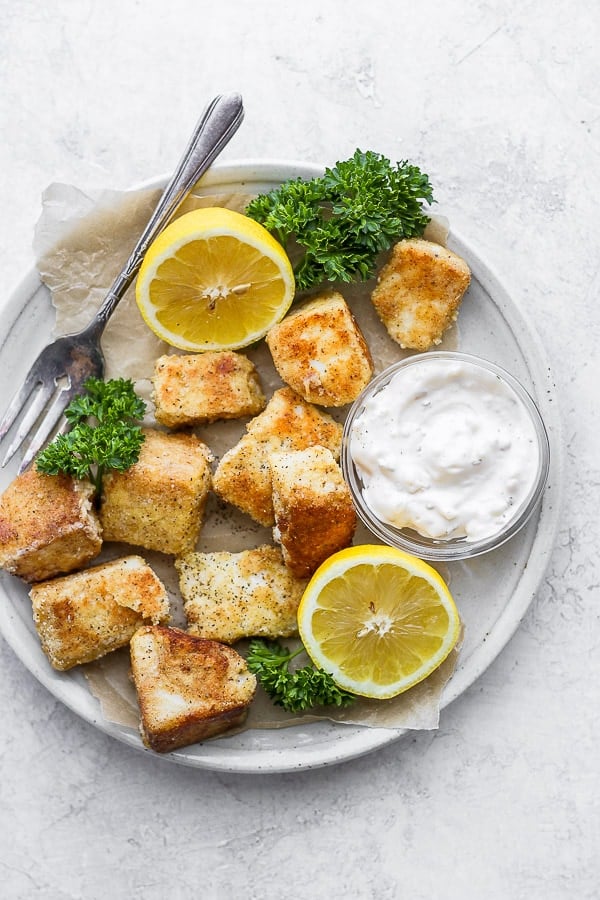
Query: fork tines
(41, 393)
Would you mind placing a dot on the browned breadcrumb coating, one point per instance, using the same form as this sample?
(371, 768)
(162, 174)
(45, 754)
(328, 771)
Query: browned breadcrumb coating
(319, 350)
(47, 526)
(159, 502)
(229, 596)
(314, 512)
(203, 387)
(188, 689)
(84, 616)
(243, 477)
(419, 291)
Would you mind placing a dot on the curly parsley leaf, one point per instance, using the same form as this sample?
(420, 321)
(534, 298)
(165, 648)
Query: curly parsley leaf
(104, 433)
(295, 690)
(342, 220)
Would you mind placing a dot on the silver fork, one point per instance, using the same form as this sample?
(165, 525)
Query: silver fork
(62, 367)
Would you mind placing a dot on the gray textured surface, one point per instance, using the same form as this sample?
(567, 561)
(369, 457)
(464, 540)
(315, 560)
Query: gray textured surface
(500, 103)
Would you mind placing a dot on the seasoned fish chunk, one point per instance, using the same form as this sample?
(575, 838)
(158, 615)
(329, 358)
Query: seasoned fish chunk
(243, 477)
(84, 616)
(314, 512)
(188, 689)
(419, 291)
(159, 502)
(229, 596)
(202, 387)
(319, 350)
(47, 526)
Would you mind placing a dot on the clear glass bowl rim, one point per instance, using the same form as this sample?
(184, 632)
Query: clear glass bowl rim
(458, 548)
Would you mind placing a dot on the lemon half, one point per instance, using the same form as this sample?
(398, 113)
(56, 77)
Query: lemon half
(378, 620)
(214, 280)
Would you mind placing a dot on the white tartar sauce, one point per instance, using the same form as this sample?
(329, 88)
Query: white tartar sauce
(446, 448)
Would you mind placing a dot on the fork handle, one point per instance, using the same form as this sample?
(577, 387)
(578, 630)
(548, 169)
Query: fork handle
(219, 122)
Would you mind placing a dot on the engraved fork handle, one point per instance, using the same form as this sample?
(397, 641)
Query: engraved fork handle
(219, 122)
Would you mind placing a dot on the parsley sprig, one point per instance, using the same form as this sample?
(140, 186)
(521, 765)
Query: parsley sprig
(345, 218)
(296, 690)
(103, 434)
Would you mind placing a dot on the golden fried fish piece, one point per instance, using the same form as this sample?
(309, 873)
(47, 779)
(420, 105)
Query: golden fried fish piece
(319, 350)
(199, 388)
(419, 291)
(230, 596)
(84, 616)
(188, 689)
(47, 525)
(159, 502)
(243, 477)
(314, 512)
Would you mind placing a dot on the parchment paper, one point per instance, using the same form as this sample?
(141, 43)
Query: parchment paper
(81, 241)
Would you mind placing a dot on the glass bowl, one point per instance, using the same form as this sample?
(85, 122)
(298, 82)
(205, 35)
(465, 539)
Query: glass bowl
(405, 538)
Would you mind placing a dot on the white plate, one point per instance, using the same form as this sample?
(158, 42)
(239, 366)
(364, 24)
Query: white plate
(492, 592)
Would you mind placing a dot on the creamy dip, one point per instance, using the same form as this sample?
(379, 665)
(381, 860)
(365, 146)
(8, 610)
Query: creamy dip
(446, 448)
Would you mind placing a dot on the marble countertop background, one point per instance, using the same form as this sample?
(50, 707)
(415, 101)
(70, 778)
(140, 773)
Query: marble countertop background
(499, 101)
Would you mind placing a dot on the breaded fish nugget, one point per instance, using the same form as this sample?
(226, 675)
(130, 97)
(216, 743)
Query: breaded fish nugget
(159, 502)
(230, 596)
(188, 689)
(84, 616)
(47, 525)
(314, 512)
(200, 388)
(319, 350)
(419, 291)
(243, 477)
